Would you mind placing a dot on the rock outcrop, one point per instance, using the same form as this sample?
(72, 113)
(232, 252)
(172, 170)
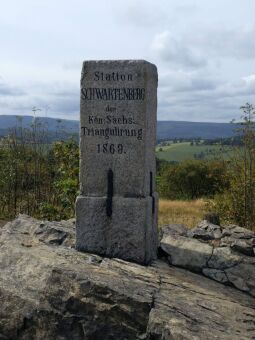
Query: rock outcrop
(225, 254)
(50, 291)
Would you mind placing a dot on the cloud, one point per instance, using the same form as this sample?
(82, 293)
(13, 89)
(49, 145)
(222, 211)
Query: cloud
(61, 99)
(249, 83)
(197, 49)
(183, 94)
(174, 51)
(236, 43)
(186, 81)
(8, 90)
(72, 65)
(204, 74)
(186, 9)
(142, 13)
(199, 95)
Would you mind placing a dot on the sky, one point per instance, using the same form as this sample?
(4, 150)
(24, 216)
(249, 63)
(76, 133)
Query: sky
(204, 51)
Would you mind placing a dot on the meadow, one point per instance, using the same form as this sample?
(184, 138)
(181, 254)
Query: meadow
(179, 152)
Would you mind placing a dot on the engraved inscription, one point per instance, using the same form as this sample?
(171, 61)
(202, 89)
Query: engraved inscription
(109, 124)
(109, 119)
(113, 76)
(110, 148)
(107, 132)
(97, 93)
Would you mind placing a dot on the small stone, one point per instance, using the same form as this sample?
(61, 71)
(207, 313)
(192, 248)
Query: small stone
(226, 232)
(27, 244)
(216, 274)
(243, 246)
(206, 231)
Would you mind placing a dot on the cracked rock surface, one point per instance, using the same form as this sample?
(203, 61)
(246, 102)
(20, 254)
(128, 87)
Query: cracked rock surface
(50, 291)
(225, 254)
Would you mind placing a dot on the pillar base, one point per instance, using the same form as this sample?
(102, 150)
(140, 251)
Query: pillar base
(130, 233)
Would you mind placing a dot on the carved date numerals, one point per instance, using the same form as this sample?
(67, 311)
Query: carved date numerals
(110, 148)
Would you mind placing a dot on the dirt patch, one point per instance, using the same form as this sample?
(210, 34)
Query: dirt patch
(2, 223)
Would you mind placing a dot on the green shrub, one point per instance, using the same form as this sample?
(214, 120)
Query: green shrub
(192, 179)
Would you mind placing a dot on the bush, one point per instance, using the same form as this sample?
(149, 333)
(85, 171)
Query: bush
(192, 179)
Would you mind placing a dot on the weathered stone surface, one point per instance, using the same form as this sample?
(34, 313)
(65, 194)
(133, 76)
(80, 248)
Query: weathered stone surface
(218, 258)
(188, 306)
(129, 234)
(206, 231)
(117, 160)
(223, 258)
(239, 239)
(242, 276)
(185, 252)
(51, 291)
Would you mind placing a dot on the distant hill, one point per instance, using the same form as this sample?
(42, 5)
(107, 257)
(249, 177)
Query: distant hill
(165, 129)
(57, 128)
(176, 129)
(7, 122)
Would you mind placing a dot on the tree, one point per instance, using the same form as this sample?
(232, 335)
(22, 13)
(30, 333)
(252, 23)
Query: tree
(237, 204)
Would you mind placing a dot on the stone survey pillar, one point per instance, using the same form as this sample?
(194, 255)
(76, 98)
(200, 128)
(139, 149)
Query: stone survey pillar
(116, 213)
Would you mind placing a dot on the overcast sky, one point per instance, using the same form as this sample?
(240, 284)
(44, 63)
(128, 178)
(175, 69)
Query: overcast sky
(204, 51)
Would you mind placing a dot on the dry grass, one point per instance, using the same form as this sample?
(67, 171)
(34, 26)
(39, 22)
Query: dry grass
(188, 213)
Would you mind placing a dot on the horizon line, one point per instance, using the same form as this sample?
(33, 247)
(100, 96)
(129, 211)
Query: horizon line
(77, 120)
